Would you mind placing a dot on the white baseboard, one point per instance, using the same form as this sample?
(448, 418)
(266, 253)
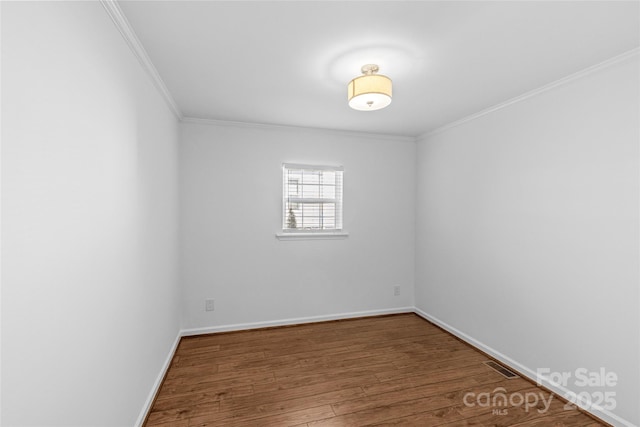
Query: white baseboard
(158, 382)
(559, 390)
(293, 321)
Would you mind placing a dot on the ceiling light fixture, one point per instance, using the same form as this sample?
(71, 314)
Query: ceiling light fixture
(370, 91)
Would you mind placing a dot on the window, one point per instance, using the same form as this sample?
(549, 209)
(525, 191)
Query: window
(312, 199)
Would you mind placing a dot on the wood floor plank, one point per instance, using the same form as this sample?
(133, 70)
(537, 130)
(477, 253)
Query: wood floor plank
(177, 415)
(281, 420)
(574, 419)
(181, 423)
(217, 358)
(424, 419)
(391, 370)
(204, 385)
(282, 388)
(247, 410)
(382, 413)
(428, 381)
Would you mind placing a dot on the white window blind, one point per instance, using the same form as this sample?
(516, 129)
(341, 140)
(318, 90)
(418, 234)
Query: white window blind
(312, 198)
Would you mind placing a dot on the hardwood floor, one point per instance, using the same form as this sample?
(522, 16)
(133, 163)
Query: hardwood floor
(392, 370)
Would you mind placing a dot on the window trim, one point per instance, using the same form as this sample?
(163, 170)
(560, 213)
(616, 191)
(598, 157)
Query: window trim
(312, 235)
(299, 234)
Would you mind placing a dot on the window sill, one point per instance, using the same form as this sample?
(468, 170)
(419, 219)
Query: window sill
(313, 236)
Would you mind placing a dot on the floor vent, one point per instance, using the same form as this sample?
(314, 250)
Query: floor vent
(501, 369)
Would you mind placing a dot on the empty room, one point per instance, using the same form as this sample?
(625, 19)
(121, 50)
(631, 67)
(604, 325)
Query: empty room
(320, 213)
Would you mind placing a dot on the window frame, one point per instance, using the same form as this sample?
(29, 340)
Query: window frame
(301, 234)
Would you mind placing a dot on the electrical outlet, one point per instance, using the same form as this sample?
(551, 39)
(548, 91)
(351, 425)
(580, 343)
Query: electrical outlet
(208, 305)
(396, 290)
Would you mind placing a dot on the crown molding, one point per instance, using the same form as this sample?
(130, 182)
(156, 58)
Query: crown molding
(570, 78)
(250, 125)
(120, 20)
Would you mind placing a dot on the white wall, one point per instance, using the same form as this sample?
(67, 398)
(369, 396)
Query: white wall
(231, 196)
(527, 229)
(90, 297)
(527, 225)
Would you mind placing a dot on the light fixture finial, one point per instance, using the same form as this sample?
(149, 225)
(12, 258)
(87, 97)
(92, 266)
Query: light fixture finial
(369, 69)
